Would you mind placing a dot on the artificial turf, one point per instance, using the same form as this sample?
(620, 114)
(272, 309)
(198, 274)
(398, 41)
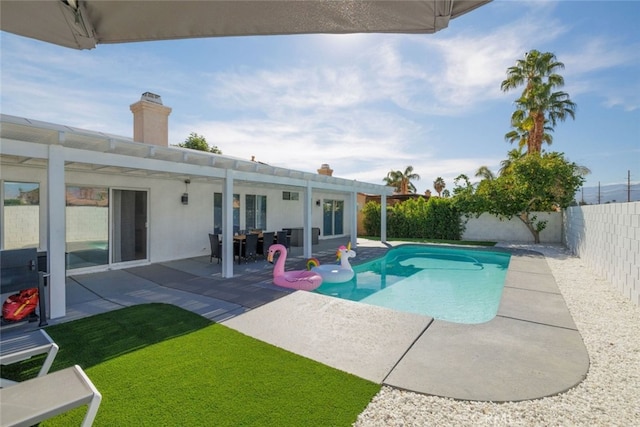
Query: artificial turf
(156, 364)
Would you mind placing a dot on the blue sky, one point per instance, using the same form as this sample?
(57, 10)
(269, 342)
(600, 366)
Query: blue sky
(365, 104)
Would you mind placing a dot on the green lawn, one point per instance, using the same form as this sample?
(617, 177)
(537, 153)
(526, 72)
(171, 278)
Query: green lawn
(159, 365)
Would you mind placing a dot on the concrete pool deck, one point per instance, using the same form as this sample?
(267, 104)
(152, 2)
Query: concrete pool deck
(531, 349)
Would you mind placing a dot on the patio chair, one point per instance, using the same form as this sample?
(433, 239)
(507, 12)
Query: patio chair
(283, 239)
(29, 402)
(265, 243)
(250, 247)
(216, 247)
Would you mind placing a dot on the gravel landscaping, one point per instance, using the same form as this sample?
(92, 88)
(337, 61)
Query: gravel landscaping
(609, 396)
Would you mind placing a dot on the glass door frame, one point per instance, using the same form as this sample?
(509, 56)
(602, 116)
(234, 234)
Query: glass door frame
(113, 227)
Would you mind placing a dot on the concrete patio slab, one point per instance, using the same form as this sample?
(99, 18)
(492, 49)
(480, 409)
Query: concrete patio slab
(534, 306)
(96, 293)
(538, 280)
(501, 360)
(196, 266)
(160, 274)
(110, 283)
(364, 340)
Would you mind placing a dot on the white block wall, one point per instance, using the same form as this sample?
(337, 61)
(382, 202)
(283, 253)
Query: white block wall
(607, 237)
(23, 221)
(87, 223)
(488, 227)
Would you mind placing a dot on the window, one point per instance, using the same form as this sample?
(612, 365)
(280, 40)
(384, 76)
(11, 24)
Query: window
(21, 215)
(256, 212)
(217, 213)
(87, 224)
(333, 217)
(290, 195)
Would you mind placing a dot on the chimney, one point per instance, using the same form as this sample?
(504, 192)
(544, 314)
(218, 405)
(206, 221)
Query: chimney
(151, 120)
(325, 170)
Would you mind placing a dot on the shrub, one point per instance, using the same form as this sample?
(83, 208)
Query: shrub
(436, 218)
(371, 220)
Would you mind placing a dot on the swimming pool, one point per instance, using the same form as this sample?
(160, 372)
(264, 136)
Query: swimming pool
(446, 283)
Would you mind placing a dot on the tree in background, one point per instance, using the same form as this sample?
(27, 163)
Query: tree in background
(485, 173)
(198, 142)
(539, 107)
(522, 126)
(512, 156)
(534, 183)
(401, 181)
(439, 185)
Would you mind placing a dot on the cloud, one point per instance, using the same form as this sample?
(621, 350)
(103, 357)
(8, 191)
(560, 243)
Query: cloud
(603, 67)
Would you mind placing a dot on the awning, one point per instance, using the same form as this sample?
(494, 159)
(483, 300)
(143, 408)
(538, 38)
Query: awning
(85, 24)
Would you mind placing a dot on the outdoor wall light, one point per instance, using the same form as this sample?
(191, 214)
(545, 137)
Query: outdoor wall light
(318, 202)
(185, 196)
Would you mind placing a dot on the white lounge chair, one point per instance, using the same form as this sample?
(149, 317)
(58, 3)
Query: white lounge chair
(16, 347)
(38, 399)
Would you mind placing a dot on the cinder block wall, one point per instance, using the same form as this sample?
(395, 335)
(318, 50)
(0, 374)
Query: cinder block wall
(489, 227)
(607, 237)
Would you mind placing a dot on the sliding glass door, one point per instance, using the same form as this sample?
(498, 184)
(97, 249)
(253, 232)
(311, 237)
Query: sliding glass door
(129, 234)
(332, 217)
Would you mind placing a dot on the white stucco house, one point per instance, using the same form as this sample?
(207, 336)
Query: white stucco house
(94, 201)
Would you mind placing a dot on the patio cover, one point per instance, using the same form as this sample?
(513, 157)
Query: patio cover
(85, 24)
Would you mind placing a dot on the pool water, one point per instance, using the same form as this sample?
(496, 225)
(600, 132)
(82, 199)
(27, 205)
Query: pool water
(452, 284)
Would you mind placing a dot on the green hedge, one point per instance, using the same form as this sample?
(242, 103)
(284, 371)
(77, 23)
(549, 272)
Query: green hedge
(436, 218)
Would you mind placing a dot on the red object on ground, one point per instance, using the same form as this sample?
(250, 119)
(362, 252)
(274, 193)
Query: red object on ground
(20, 305)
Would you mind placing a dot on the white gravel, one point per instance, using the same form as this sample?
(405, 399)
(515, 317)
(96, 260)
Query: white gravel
(609, 396)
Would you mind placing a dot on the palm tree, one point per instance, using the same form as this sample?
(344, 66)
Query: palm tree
(538, 106)
(522, 126)
(439, 185)
(485, 173)
(512, 156)
(401, 181)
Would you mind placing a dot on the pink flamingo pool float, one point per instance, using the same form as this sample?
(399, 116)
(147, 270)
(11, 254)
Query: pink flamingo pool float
(303, 280)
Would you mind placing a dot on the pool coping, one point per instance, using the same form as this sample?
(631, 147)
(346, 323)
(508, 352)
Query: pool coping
(530, 350)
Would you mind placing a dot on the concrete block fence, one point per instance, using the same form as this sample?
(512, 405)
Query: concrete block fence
(489, 227)
(607, 237)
